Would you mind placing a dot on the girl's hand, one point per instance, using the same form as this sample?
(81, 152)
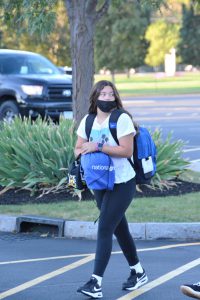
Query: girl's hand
(88, 147)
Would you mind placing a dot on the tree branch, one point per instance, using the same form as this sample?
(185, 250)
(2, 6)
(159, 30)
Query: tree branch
(102, 10)
(91, 6)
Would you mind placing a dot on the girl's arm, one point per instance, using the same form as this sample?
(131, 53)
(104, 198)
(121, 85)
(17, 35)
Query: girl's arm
(78, 147)
(124, 149)
(83, 146)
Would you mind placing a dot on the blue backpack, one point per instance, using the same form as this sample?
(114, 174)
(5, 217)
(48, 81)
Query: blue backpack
(99, 172)
(144, 154)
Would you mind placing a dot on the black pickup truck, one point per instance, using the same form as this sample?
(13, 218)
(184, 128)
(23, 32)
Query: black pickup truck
(30, 85)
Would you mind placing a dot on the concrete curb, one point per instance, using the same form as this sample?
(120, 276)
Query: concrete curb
(143, 231)
(8, 223)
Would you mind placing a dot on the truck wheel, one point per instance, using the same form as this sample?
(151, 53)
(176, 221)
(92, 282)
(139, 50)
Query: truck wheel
(8, 110)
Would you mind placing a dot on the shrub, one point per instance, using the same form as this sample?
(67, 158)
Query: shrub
(35, 155)
(170, 163)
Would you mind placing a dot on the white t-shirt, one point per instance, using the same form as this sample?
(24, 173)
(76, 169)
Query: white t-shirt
(100, 133)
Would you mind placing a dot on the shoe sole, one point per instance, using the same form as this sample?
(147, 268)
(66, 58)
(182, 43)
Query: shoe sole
(96, 295)
(138, 284)
(189, 292)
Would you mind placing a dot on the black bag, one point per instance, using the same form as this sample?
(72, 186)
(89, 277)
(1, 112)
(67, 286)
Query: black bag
(76, 175)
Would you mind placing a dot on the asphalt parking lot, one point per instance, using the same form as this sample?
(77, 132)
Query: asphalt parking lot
(46, 268)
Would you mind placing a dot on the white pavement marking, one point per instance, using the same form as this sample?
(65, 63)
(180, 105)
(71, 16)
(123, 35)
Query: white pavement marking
(162, 118)
(42, 259)
(88, 254)
(85, 260)
(47, 276)
(195, 160)
(160, 280)
(164, 247)
(137, 101)
(191, 150)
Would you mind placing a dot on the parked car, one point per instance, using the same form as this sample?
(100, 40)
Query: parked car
(31, 85)
(68, 70)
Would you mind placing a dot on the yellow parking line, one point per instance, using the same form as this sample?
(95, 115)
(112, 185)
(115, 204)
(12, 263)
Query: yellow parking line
(50, 275)
(87, 254)
(160, 280)
(90, 257)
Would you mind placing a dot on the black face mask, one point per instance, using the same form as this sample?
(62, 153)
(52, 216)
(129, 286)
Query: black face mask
(106, 106)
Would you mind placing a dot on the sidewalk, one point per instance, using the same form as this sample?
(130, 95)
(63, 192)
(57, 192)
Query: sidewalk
(143, 231)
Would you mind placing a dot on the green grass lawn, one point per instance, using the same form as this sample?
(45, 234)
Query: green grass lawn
(184, 208)
(155, 84)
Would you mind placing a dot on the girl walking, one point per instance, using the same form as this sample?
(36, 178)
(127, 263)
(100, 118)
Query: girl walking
(113, 203)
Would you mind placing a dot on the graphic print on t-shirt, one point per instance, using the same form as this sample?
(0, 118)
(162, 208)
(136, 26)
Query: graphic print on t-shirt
(100, 136)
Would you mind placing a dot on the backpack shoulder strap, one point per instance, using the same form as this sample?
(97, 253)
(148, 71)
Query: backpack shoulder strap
(88, 124)
(113, 123)
(113, 127)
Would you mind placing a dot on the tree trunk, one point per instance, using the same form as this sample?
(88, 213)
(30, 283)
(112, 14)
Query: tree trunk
(82, 16)
(128, 73)
(113, 76)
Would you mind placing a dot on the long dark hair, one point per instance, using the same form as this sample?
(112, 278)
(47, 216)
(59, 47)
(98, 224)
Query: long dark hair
(95, 92)
(94, 95)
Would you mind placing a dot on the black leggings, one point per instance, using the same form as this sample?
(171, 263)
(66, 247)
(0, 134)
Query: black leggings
(112, 220)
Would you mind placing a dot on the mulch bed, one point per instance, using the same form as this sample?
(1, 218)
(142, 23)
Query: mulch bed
(15, 196)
